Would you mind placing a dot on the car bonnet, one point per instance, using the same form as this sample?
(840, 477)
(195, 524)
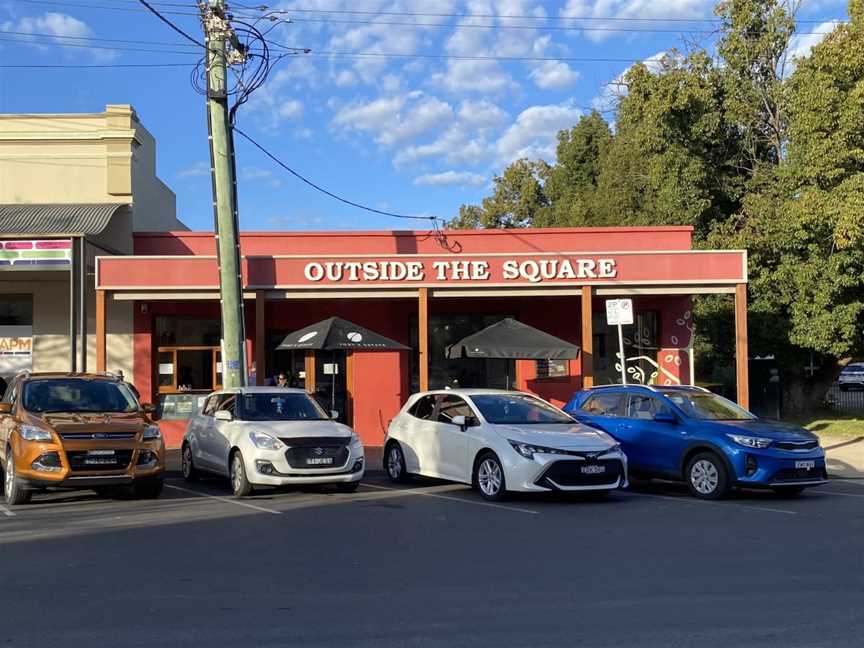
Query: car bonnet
(574, 436)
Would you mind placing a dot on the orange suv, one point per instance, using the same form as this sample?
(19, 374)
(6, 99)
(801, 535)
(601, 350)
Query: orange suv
(75, 430)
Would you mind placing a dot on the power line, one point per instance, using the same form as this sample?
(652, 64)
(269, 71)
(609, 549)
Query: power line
(302, 178)
(65, 66)
(85, 5)
(668, 19)
(156, 13)
(93, 39)
(89, 46)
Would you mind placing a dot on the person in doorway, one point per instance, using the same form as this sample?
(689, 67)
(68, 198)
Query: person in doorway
(282, 379)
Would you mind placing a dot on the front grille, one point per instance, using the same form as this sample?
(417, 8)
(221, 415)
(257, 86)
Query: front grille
(80, 461)
(569, 473)
(96, 436)
(796, 445)
(798, 474)
(304, 453)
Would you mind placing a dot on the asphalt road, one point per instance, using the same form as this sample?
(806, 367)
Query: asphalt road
(430, 564)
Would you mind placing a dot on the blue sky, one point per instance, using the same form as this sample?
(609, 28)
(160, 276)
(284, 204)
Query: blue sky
(418, 134)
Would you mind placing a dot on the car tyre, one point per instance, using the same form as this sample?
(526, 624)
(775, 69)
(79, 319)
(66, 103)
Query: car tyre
(13, 490)
(349, 487)
(147, 488)
(707, 477)
(394, 463)
(187, 465)
(789, 491)
(240, 485)
(488, 479)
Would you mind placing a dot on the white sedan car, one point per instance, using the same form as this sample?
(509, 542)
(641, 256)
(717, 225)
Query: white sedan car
(500, 441)
(270, 436)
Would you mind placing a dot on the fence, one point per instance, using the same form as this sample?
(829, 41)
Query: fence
(845, 402)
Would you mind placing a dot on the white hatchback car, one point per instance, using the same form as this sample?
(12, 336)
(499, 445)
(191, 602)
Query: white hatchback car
(500, 441)
(270, 436)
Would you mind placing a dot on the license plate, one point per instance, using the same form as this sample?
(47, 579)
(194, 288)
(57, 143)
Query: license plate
(100, 453)
(805, 464)
(593, 470)
(319, 461)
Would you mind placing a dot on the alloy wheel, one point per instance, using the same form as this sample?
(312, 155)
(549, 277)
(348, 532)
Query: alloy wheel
(9, 476)
(237, 473)
(704, 476)
(187, 462)
(489, 477)
(394, 462)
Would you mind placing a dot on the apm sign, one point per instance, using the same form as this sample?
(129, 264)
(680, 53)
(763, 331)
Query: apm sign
(502, 270)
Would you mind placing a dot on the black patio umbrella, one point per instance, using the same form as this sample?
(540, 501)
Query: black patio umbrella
(336, 334)
(512, 339)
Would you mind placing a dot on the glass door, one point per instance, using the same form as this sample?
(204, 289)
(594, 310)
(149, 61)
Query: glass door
(331, 384)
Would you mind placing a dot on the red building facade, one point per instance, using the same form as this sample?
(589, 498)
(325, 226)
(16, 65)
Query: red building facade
(424, 290)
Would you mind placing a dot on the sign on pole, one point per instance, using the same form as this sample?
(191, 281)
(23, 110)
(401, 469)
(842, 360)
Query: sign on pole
(619, 312)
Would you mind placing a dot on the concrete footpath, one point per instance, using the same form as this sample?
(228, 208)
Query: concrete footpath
(845, 457)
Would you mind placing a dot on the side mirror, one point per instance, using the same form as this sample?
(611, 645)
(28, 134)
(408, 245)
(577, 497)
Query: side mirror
(665, 417)
(5, 408)
(148, 408)
(223, 415)
(334, 414)
(464, 422)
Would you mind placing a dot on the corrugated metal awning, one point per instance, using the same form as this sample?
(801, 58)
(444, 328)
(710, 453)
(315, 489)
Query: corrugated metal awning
(72, 218)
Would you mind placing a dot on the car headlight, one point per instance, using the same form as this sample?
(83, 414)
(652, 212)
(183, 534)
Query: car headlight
(265, 441)
(614, 448)
(750, 442)
(355, 440)
(528, 450)
(33, 433)
(151, 433)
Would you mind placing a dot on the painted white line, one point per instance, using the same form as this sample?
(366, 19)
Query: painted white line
(227, 500)
(698, 502)
(5, 511)
(425, 493)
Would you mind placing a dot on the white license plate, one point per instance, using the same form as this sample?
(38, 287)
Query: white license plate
(100, 453)
(319, 461)
(805, 464)
(593, 470)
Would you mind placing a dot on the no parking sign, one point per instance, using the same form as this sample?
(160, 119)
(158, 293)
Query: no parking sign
(619, 312)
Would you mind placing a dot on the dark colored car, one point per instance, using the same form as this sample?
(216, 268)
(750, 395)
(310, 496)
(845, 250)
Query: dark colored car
(690, 434)
(72, 430)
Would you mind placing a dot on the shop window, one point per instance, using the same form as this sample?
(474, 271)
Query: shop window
(187, 331)
(444, 330)
(641, 344)
(189, 369)
(16, 310)
(551, 369)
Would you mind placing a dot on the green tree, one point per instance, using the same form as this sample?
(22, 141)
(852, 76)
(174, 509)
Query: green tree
(804, 226)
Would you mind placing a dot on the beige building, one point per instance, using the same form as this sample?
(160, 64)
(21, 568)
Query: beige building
(72, 186)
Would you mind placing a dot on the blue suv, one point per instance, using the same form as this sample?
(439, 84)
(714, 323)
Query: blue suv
(691, 434)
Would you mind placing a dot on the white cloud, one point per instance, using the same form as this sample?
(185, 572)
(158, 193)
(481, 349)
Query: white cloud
(450, 178)
(394, 119)
(197, 170)
(554, 75)
(801, 45)
(254, 174)
(630, 9)
(481, 115)
(534, 133)
(474, 76)
(61, 29)
(290, 109)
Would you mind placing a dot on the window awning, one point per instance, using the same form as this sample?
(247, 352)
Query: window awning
(64, 219)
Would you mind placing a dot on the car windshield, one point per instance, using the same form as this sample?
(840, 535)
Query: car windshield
(853, 369)
(77, 395)
(702, 405)
(517, 409)
(275, 406)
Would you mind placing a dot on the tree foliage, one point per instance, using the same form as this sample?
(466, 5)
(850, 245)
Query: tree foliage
(750, 153)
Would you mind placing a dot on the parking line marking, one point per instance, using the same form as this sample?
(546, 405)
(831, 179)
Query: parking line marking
(5, 511)
(228, 500)
(698, 502)
(420, 491)
(857, 482)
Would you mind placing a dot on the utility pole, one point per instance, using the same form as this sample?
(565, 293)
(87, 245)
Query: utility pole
(217, 32)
